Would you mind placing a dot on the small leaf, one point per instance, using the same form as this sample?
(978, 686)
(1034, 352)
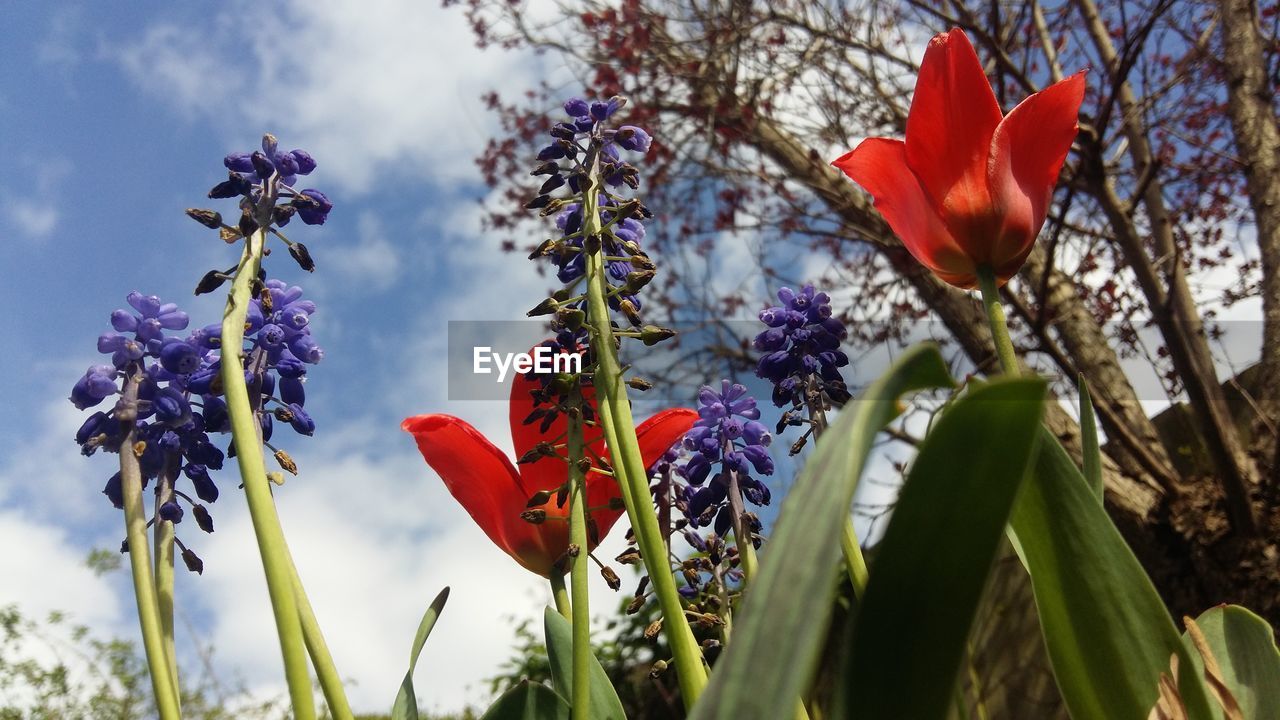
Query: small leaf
(778, 634)
(1248, 661)
(1107, 631)
(605, 704)
(930, 570)
(528, 701)
(1090, 449)
(406, 704)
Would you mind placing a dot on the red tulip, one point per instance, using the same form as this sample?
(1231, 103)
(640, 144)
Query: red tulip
(969, 187)
(495, 492)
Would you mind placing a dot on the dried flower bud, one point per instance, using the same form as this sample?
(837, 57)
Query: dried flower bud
(610, 577)
(211, 281)
(639, 383)
(535, 517)
(630, 556)
(207, 218)
(653, 629)
(539, 498)
(192, 561)
(658, 668)
(300, 253)
(652, 334)
(546, 307)
(635, 605)
(276, 477)
(286, 463)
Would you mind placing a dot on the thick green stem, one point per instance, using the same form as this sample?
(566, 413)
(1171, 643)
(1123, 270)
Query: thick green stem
(995, 318)
(620, 435)
(560, 594)
(257, 489)
(578, 574)
(144, 589)
(335, 695)
(164, 536)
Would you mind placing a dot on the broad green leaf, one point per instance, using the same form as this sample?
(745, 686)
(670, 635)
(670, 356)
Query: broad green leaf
(930, 569)
(605, 704)
(528, 701)
(1108, 633)
(1244, 647)
(778, 633)
(406, 705)
(1090, 449)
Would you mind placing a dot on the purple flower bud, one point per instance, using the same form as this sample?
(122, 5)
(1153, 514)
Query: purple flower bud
(305, 163)
(215, 414)
(148, 305)
(306, 349)
(170, 511)
(203, 519)
(171, 318)
(124, 321)
(270, 336)
(294, 316)
(98, 423)
(267, 427)
(114, 491)
(171, 408)
(262, 165)
(205, 488)
(633, 138)
(577, 108)
(238, 162)
(316, 211)
(301, 422)
(291, 391)
(759, 458)
(285, 164)
(289, 366)
(179, 357)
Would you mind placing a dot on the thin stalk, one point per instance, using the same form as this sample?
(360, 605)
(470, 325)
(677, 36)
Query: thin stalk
(335, 695)
(561, 596)
(741, 536)
(619, 431)
(164, 535)
(996, 319)
(854, 562)
(257, 489)
(144, 589)
(579, 565)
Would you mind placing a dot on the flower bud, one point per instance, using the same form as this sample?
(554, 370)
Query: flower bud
(207, 218)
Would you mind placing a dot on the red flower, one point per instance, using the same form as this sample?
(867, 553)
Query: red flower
(495, 492)
(969, 186)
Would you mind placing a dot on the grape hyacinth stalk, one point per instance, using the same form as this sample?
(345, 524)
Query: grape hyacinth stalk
(600, 250)
(263, 181)
(801, 356)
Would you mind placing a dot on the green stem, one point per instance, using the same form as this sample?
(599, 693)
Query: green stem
(620, 435)
(164, 536)
(995, 318)
(581, 690)
(326, 672)
(144, 589)
(854, 563)
(741, 536)
(561, 595)
(257, 489)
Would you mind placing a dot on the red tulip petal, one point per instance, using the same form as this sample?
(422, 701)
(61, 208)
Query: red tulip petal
(879, 165)
(953, 115)
(655, 435)
(478, 475)
(1027, 152)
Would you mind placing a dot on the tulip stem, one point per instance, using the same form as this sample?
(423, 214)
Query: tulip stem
(560, 594)
(628, 466)
(321, 659)
(580, 705)
(995, 317)
(144, 589)
(245, 433)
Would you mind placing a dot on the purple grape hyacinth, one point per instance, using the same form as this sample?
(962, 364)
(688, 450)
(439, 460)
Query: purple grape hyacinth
(729, 439)
(801, 348)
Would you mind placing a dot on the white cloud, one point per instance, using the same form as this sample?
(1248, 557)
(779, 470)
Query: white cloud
(33, 210)
(377, 92)
(372, 264)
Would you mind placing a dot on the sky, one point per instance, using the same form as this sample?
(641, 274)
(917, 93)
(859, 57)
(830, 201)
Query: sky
(114, 118)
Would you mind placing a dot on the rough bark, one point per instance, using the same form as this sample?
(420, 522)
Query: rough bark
(1251, 106)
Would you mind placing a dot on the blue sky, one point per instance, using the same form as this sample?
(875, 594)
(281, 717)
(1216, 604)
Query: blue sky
(113, 120)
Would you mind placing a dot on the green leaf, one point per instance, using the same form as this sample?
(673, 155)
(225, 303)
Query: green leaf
(528, 701)
(930, 570)
(406, 705)
(788, 607)
(1108, 633)
(605, 704)
(1244, 646)
(1090, 449)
